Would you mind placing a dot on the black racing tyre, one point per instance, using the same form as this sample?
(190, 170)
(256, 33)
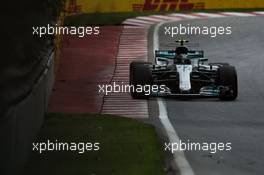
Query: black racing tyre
(135, 64)
(140, 74)
(227, 77)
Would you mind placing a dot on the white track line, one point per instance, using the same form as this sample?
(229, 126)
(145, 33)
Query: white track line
(149, 18)
(211, 15)
(186, 16)
(259, 12)
(134, 23)
(240, 14)
(139, 21)
(164, 17)
(179, 157)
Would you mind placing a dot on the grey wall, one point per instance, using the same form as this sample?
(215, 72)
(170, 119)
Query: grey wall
(21, 123)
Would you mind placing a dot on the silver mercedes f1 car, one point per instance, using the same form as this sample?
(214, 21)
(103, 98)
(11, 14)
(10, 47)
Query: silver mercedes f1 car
(184, 72)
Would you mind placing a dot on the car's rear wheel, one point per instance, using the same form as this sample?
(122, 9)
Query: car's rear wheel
(227, 80)
(140, 75)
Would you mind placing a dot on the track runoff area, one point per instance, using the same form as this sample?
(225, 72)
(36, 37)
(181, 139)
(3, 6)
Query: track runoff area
(133, 47)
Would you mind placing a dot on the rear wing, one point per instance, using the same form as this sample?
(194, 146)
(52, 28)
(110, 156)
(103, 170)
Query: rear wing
(170, 54)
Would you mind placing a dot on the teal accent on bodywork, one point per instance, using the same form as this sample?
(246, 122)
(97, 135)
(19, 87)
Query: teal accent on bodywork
(170, 54)
(210, 91)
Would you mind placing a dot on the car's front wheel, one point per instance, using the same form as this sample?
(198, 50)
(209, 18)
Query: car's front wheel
(227, 80)
(140, 75)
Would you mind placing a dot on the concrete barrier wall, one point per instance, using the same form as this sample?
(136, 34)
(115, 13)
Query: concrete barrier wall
(102, 6)
(22, 122)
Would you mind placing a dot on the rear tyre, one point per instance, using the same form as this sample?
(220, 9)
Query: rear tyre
(140, 74)
(227, 79)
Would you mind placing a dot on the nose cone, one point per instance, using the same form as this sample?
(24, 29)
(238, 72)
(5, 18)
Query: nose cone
(184, 76)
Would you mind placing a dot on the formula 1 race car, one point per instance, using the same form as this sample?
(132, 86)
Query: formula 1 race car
(183, 72)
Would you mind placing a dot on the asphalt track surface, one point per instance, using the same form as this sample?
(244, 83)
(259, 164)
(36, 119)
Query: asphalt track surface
(240, 122)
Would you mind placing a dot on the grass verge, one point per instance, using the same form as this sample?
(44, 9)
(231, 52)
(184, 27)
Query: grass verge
(118, 18)
(126, 147)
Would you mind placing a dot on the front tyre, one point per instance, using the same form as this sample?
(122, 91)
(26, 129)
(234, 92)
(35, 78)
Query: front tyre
(227, 80)
(140, 75)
